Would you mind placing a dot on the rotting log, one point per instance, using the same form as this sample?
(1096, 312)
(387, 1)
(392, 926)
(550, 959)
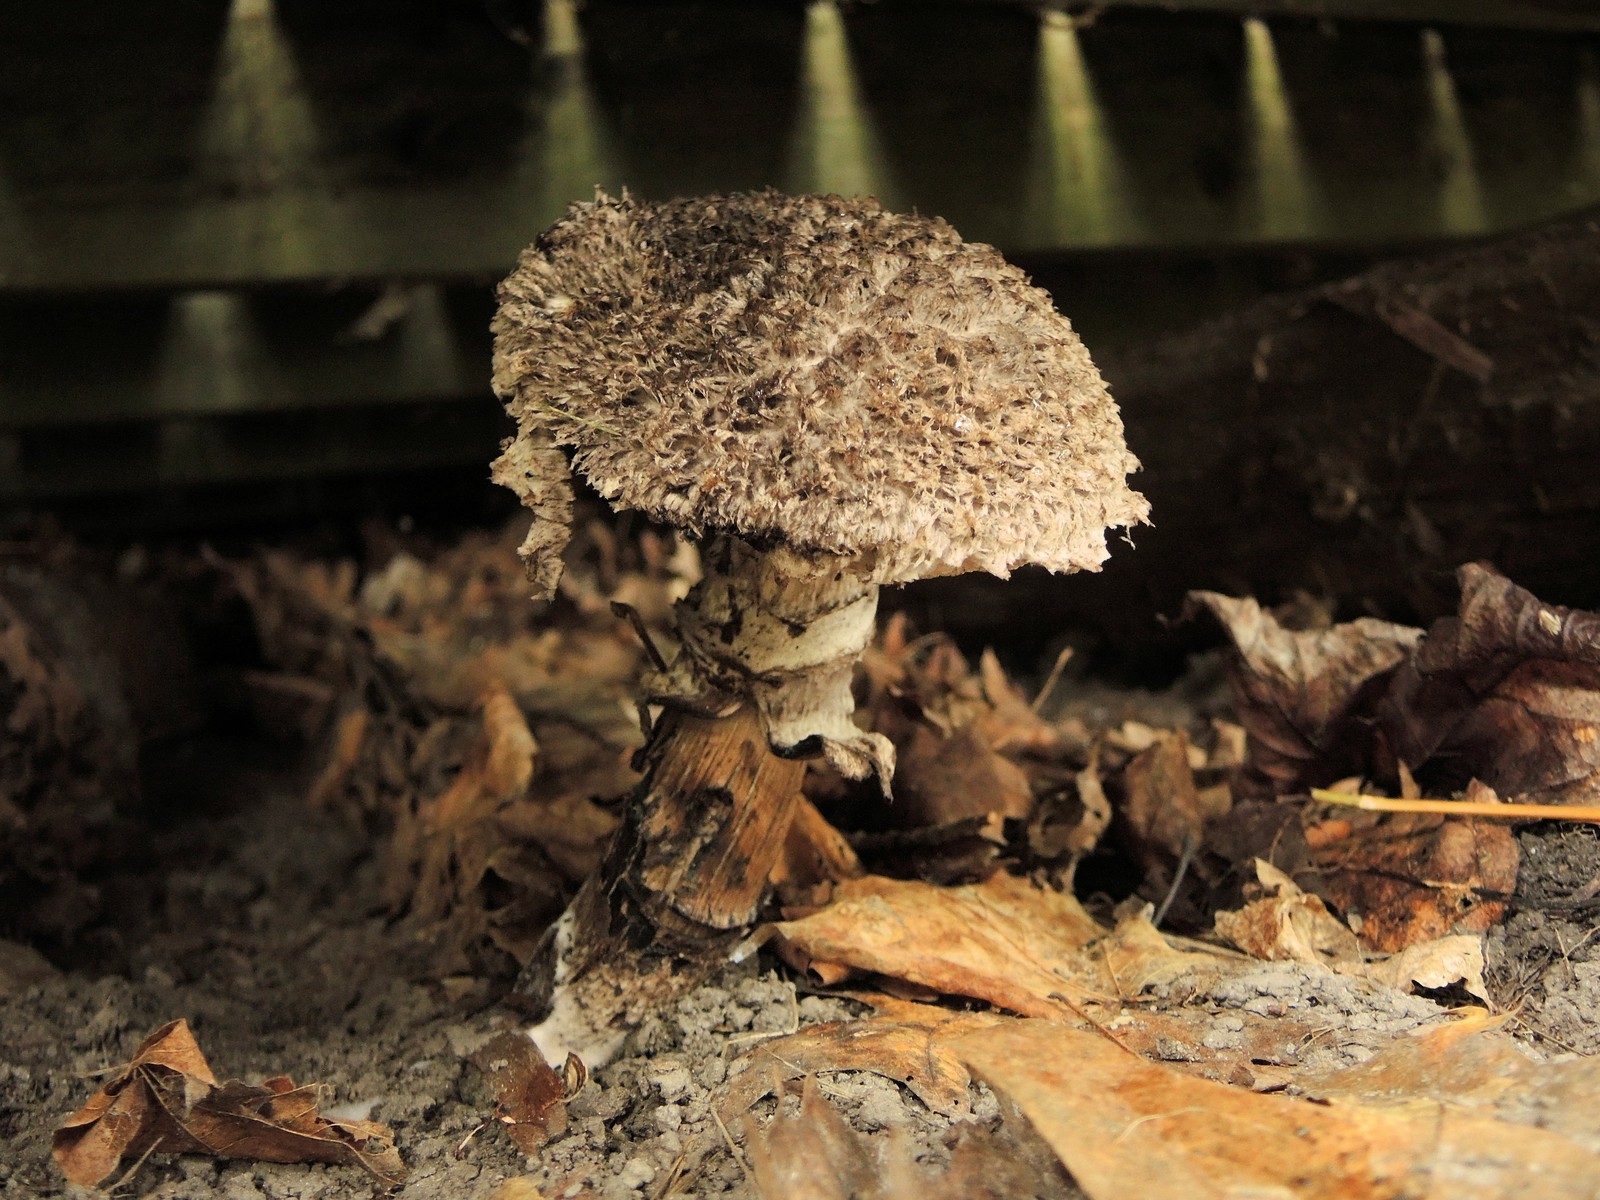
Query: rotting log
(1357, 441)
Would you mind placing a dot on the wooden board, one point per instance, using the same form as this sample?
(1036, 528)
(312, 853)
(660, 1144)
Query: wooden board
(202, 145)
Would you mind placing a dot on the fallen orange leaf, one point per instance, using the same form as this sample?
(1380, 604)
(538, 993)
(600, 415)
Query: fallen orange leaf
(1003, 940)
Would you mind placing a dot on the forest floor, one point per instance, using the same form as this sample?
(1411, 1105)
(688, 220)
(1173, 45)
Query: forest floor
(269, 924)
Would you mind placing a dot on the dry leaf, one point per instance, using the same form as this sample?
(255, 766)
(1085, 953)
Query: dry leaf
(1507, 691)
(906, 1044)
(812, 1155)
(1470, 1064)
(941, 778)
(1127, 1129)
(967, 744)
(1002, 940)
(1288, 924)
(1434, 965)
(1019, 946)
(1303, 697)
(529, 1093)
(167, 1101)
(1165, 818)
(964, 851)
(475, 728)
(1410, 878)
(1160, 802)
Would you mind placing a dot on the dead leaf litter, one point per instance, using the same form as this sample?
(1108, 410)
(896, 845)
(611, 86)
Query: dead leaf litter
(1292, 999)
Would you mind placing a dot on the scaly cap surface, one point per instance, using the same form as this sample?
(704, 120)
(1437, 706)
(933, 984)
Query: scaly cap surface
(809, 372)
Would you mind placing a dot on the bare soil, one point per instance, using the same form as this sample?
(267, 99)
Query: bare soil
(257, 920)
(1543, 961)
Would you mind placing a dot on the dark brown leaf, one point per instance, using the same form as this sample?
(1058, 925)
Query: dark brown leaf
(1413, 878)
(967, 743)
(1303, 697)
(1507, 691)
(167, 1101)
(1166, 816)
(944, 778)
(528, 1091)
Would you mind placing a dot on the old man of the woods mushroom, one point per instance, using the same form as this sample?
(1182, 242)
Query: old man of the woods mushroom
(829, 398)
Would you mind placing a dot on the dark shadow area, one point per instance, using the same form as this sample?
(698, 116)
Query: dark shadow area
(88, 103)
(951, 91)
(410, 91)
(703, 94)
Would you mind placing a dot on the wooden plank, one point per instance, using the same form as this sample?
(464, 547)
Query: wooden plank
(1576, 17)
(47, 467)
(311, 143)
(155, 357)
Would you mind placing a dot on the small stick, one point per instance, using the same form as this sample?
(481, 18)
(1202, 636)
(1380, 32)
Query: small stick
(1051, 679)
(1184, 859)
(1464, 808)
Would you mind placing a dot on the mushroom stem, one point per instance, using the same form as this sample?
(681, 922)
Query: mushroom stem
(685, 874)
(783, 632)
(760, 681)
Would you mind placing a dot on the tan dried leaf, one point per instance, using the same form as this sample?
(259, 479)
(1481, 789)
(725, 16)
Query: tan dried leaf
(1450, 960)
(1288, 924)
(1003, 940)
(1127, 1129)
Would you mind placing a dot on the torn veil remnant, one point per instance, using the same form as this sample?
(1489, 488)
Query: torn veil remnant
(831, 398)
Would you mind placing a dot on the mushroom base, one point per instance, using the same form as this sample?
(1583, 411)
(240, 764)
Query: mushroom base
(684, 876)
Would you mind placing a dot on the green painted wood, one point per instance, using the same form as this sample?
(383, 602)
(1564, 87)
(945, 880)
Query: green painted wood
(153, 357)
(201, 145)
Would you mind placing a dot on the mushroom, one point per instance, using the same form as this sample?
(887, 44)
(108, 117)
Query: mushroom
(829, 398)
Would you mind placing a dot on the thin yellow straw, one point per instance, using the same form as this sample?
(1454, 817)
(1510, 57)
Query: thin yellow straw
(1463, 808)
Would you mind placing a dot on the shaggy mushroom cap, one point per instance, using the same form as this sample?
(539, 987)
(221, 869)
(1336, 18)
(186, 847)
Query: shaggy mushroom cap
(810, 373)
